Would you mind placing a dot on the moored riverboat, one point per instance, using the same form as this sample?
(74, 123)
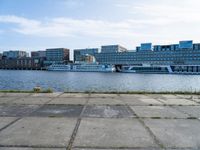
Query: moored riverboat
(81, 68)
(159, 69)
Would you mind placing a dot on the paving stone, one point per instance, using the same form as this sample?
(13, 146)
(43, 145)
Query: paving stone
(51, 95)
(105, 101)
(69, 101)
(104, 96)
(169, 96)
(107, 112)
(17, 110)
(158, 111)
(120, 149)
(2, 94)
(178, 102)
(80, 95)
(193, 111)
(142, 102)
(184, 96)
(17, 94)
(58, 111)
(6, 100)
(5, 121)
(20, 148)
(183, 149)
(155, 96)
(195, 98)
(114, 133)
(31, 100)
(43, 132)
(134, 96)
(176, 133)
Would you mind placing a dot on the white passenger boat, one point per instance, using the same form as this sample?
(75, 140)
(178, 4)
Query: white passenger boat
(59, 67)
(170, 69)
(82, 68)
(146, 69)
(93, 68)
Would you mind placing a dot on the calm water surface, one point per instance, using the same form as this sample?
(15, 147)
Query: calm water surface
(80, 81)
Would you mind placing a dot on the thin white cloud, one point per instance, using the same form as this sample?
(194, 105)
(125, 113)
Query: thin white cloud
(153, 20)
(164, 12)
(66, 27)
(18, 20)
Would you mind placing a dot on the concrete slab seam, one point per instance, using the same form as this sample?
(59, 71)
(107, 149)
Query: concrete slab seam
(159, 143)
(74, 133)
(10, 124)
(117, 148)
(30, 146)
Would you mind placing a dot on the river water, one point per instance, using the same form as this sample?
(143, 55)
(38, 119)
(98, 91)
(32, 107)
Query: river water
(99, 82)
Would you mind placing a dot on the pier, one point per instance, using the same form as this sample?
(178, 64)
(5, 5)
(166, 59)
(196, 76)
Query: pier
(60, 121)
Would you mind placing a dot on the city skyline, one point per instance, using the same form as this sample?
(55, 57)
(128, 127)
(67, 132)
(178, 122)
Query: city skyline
(76, 24)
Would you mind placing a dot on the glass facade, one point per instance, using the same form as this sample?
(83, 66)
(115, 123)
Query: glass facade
(38, 54)
(146, 47)
(185, 44)
(81, 54)
(160, 55)
(57, 55)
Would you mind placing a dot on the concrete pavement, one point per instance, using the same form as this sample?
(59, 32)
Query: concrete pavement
(60, 121)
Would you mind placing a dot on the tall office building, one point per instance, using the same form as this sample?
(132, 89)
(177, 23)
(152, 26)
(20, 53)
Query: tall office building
(57, 56)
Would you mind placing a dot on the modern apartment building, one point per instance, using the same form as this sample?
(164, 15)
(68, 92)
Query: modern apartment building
(184, 53)
(38, 54)
(84, 55)
(14, 54)
(57, 56)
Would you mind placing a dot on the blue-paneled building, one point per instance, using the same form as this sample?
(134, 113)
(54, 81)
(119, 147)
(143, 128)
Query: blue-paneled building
(183, 53)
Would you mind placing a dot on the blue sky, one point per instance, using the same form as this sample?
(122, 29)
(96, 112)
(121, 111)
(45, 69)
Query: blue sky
(36, 25)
